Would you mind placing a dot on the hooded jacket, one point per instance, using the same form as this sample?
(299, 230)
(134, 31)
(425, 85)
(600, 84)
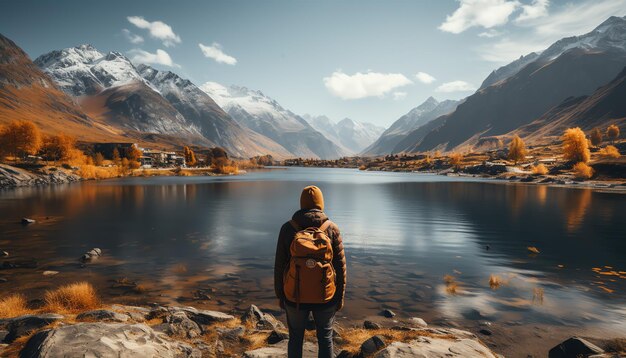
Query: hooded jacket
(310, 218)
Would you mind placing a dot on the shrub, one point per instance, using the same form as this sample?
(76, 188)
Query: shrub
(87, 171)
(539, 169)
(517, 149)
(98, 159)
(612, 132)
(13, 306)
(72, 298)
(596, 137)
(455, 159)
(609, 152)
(582, 171)
(575, 146)
(20, 139)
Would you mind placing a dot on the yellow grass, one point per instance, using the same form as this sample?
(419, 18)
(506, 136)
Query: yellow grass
(355, 337)
(87, 171)
(13, 306)
(72, 298)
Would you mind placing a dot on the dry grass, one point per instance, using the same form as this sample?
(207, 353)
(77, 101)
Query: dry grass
(539, 169)
(355, 337)
(72, 298)
(13, 306)
(609, 152)
(582, 171)
(87, 171)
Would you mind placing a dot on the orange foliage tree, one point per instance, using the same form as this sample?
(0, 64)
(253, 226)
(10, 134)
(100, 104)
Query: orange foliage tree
(58, 147)
(612, 132)
(19, 139)
(596, 137)
(455, 159)
(582, 171)
(609, 152)
(190, 157)
(98, 159)
(517, 149)
(575, 146)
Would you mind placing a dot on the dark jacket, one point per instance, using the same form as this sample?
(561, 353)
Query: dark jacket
(310, 218)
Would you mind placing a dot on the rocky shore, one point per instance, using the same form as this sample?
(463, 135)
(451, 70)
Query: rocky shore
(160, 331)
(13, 177)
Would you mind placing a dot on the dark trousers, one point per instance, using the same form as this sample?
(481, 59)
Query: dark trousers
(297, 319)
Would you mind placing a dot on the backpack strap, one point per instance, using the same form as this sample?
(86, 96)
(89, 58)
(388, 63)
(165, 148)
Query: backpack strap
(325, 225)
(295, 225)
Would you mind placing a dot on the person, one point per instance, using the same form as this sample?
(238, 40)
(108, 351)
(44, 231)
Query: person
(310, 215)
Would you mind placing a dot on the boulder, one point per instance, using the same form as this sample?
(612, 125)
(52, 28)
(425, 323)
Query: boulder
(427, 347)
(91, 255)
(262, 321)
(279, 350)
(277, 336)
(178, 324)
(102, 315)
(231, 334)
(104, 340)
(371, 325)
(203, 316)
(372, 345)
(388, 313)
(574, 347)
(418, 322)
(21, 326)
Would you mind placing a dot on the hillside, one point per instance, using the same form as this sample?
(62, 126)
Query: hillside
(350, 135)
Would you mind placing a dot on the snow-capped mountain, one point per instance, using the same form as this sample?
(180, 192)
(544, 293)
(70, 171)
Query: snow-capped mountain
(264, 115)
(608, 36)
(414, 119)
(144, 100)
(351, 135)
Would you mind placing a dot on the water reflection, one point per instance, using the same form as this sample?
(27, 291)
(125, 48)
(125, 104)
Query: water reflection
(403, 233)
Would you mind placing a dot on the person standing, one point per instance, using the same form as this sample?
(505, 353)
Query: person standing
(310, 273)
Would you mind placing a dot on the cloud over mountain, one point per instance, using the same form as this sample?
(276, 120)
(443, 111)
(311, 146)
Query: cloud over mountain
(157, 29)
(361, 85)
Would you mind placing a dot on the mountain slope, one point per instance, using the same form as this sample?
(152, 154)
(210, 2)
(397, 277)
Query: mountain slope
(414, 119)
(254, 110)
(28, 93)
(607, 105)
(527, 95)
(350, 135)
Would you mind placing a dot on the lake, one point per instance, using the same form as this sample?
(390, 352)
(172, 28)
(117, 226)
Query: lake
(419, 244)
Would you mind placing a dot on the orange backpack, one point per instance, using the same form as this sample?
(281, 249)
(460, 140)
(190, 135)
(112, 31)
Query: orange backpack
(310, 276)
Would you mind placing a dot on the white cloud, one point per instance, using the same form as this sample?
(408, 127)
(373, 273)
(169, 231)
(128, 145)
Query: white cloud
(537, 9)
(455, 86)
(215, 52)
(543, 31)
(157, 29)
(481, 13)
(131, 37)
(425, 77)
(398, 96)
(159, 58)
(361, 85)
(490, 33)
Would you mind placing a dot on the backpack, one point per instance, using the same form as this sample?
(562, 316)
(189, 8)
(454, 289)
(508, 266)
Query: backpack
(310, 276)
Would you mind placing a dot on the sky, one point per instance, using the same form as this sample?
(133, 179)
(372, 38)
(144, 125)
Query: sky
(368, 60)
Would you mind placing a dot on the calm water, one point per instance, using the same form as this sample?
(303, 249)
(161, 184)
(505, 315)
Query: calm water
(403, 233)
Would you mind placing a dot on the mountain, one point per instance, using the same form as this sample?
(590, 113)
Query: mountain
(610, 35)
(262, 114)
(154, 105)
(350, 135)
(571, 67)
(607, 105)
(414, 119)
(28, 93)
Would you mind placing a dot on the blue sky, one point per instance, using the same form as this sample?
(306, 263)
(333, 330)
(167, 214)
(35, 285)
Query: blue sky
(367, 60)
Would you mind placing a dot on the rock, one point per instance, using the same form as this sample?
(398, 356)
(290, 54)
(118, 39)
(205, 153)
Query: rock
(21, 326)
(276, 337)
(231, 334)
(3, 279)
(371, 325)
(260, 320)
(309, 350)
(372, 345)
(3, 335)
(345, 354)
(574, 347)
(203, 316)
(102, 315)
(418, 322)
(178, 324)
(91, 255)
(50, 273)
(104, 340)
(485, 332)
(27, 221)
(428, 347)
(388, 313)
(4, 254)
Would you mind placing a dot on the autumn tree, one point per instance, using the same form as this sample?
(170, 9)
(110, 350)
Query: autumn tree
(539, 169)
(575, 146)
(582, 171)
(20, 139)
(609, 152)
(132, 153)
(190, 156)
(116, 156)
(455, 159)
(517, 149)
(59, 147)
(98, 159)
(596, 137)
(612, 132)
